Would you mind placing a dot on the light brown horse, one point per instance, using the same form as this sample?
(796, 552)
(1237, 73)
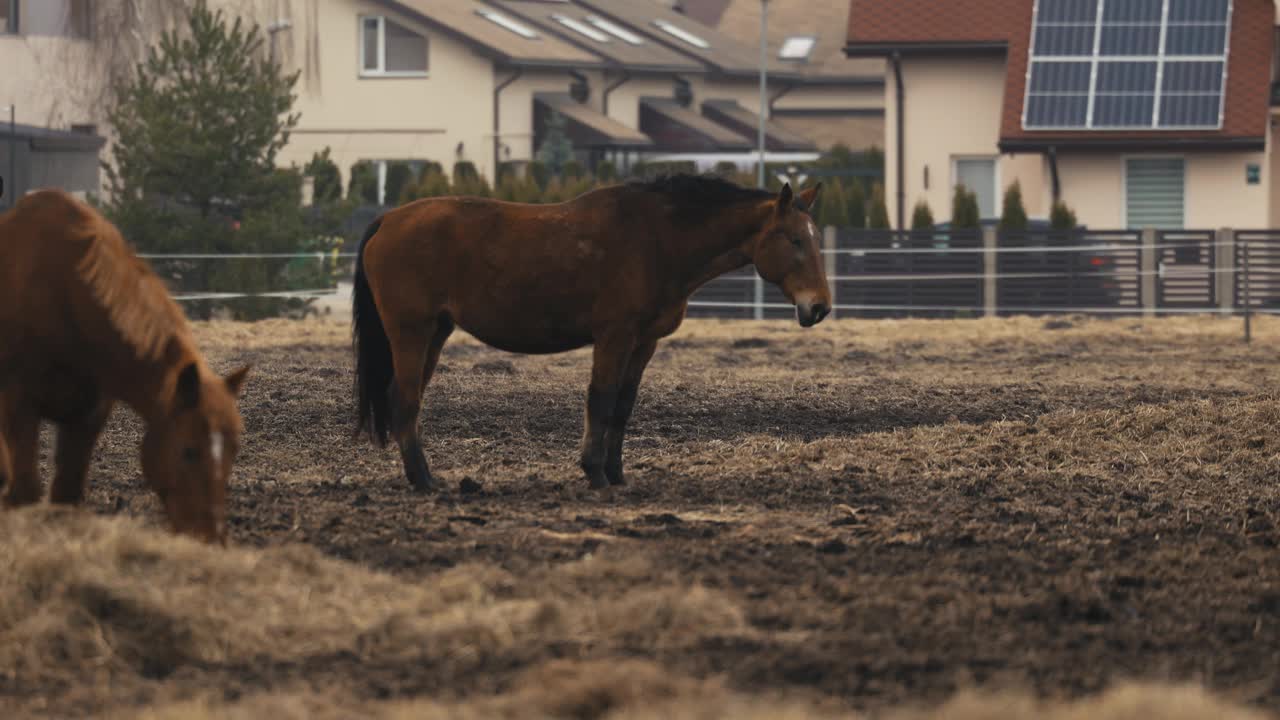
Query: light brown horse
(84, 323)
(613, 268)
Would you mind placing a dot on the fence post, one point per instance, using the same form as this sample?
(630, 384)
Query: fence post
(829, 244)
(1225, 268)
(1149, 268)
(990, 242)
(758, 301)
(1248, 304)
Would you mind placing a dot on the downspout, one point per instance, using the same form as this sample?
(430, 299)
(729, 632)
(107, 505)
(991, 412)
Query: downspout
(604, 96)
(896, 59)
(1053, 175)
(497, 138)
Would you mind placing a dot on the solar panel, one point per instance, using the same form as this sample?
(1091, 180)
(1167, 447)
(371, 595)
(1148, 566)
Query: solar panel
(1127, 64)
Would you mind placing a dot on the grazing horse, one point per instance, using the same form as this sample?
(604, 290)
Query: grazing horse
(85, 323)
(613, 268)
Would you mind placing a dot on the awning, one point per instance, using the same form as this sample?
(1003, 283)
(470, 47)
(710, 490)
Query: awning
(585, 127)
(741, 120)
(675, 128)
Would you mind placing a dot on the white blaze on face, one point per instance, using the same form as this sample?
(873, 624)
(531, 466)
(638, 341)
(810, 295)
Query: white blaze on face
(215, 447)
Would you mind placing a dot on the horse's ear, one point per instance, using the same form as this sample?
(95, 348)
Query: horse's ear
(186, 395)
(235, 381)
(784, 199)
(810, 196)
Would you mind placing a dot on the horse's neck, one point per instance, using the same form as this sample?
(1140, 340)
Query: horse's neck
(718, 246)
(146, 383)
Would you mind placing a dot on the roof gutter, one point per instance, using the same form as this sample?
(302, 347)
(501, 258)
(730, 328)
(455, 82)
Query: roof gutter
(779, 95)
(896, 61)
(497, 123)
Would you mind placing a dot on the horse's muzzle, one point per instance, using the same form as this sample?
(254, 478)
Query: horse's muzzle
(810, 315)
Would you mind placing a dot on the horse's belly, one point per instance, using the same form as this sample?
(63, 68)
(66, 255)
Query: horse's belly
(534, 346)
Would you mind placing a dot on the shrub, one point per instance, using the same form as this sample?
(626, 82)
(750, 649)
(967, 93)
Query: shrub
(832, 208)
(1014, 217)
(328, 178)
(922, 216)
(856, 205)
(399, 178)
(363, 186)
(879, 219)
(964, 209)
(1062, 217)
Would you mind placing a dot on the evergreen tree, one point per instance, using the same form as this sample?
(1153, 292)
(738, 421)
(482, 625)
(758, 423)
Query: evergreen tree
(399, 178)
(856, 205)
(964, 209)
(833, 210)
(922, 216)
(879, 217)
(1014, 218)
(1061, 217)
(363, 185)
(328, 178)
(556, 149)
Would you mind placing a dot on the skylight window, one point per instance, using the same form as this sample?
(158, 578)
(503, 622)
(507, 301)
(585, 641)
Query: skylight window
(580, 27)
(616, 30)
(683, 34)
(797, 47)
(520, 29)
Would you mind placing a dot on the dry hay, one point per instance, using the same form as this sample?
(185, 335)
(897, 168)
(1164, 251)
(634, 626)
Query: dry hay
(109, 611)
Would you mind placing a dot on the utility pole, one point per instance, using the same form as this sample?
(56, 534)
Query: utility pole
(764, 81)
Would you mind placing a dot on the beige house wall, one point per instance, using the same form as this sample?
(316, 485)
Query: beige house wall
(516, 111)
(41, 77)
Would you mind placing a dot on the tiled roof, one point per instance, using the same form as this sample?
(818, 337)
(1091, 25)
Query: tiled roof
(878, 27)
(459, 19)
(824, 20)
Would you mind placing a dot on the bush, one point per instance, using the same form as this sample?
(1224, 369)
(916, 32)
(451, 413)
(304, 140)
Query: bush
(540, 174)
(573, 170)
(606, 172)
(922, 216)
(1062, 217)
(856, 205)
(1014, 217)
(399, 178)
(832, 210)
(363, 186)
(879, 219)
(328, 178)
(964, 209)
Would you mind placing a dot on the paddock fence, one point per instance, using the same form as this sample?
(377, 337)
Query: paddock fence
(941, 274)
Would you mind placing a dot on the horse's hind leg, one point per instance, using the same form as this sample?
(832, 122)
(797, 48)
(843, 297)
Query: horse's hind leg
(75, 449)
(626, 402)
(24, 477)
(415, 349)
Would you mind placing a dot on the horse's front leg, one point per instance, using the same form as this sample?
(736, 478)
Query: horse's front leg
(609, 364)
(622, 410)
(74, 451)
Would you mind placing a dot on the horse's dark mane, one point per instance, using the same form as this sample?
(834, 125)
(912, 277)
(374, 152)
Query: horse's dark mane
(695, 198)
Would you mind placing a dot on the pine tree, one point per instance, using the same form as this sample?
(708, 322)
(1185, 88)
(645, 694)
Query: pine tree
(1014, 218)
(556, 149)
(879, 219)
(922, 216)
(856, 205)
(1061, 217)
(328, 178)
(833, 210)
(964, 209)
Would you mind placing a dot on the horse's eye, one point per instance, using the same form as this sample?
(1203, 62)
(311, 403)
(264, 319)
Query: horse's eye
(797, 240)
(190, 455)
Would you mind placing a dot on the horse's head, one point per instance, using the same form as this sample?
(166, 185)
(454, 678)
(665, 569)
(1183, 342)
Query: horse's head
(788, 253)
(188, 452)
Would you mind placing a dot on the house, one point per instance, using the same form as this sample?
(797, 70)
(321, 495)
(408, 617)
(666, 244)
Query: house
(1148, 113)
(836, 99)
(53, 137)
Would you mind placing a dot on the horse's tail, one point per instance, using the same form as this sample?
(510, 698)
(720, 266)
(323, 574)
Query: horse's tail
(374, 369)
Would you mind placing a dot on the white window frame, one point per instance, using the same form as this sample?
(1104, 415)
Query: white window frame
(998, 200)
(381, 71)
(1124, 182)
(813, 44)
(13, 23)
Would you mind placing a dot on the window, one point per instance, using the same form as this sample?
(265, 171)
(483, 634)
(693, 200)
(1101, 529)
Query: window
(580, 27)
(683, 34)
(390, 49)
(9, 16)
(1155, 190)
(497, 18)
(80, 19)
(616, 30)
(1138, 64)
(797, 47)
(978, 175)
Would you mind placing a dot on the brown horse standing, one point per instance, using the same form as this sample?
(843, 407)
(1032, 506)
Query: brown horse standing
(613, 268)
(84, 323)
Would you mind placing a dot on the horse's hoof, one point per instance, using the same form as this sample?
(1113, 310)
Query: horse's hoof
(618, 480)
(422, 486)
(599, 482)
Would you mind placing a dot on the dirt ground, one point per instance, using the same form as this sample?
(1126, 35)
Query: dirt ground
(860, 516)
